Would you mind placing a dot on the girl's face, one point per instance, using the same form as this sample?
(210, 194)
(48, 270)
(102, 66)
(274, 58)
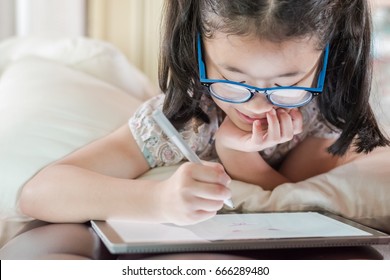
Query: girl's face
(261, 64)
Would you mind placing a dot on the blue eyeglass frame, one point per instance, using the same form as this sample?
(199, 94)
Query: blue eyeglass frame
(208, 82)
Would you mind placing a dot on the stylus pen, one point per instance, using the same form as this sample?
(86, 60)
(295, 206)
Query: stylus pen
(175, 137)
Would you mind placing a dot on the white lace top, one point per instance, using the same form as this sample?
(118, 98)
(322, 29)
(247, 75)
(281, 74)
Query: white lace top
(159, 151)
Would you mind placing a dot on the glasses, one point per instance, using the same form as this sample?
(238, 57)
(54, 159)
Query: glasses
(283, 96)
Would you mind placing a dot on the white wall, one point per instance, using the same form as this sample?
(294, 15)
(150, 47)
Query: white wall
(53, 18)
(50, 17)
(7, 18)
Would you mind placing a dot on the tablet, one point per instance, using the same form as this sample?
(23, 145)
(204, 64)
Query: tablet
(238, 232)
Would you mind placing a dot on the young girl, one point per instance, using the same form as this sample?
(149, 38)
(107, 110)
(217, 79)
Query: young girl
(276, 90)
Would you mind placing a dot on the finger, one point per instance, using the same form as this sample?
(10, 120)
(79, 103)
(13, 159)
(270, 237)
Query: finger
(273, 132)
(297, 120)
(208, 173)
(216, 165)
(258, 133)
(286, 125)
(207, 205)
(201, 215)
(210, 191)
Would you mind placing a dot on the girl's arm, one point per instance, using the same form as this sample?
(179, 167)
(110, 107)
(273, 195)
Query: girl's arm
(309, 159)
(249, 167)
(97, 182)
(239, 150)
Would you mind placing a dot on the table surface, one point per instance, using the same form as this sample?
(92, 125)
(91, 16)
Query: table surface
(40, 240)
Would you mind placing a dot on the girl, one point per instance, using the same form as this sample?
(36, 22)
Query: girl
(277, 90)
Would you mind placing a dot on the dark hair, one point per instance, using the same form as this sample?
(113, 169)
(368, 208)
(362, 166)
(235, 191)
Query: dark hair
(345, 25)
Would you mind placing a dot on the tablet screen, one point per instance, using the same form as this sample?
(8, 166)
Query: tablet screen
(237, 227)
(257, 229)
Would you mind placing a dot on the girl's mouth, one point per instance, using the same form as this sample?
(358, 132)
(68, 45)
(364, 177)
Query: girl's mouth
(251, 120)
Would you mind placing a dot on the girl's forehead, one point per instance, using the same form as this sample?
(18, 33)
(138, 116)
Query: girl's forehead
(236, 52)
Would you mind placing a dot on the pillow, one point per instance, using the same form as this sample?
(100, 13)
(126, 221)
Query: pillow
(358, 190)
(97, 58)
(47, 110)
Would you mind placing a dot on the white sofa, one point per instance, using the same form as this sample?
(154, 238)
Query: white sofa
(58, 95)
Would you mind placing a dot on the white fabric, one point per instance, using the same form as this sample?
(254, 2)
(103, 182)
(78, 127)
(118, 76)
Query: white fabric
(96, 58)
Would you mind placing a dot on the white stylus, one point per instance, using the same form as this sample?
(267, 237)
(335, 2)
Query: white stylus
(175, 137)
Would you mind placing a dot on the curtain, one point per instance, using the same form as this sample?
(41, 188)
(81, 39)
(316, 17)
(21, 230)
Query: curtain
(132, 26)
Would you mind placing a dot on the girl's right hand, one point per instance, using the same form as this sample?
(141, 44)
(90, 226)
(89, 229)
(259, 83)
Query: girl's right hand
(194, 193)
(282, 126)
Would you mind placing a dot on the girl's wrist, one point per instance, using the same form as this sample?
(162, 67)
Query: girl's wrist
(226, 152)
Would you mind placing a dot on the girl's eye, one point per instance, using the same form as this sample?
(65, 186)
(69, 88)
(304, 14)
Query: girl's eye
(293, 85)
(242, 82)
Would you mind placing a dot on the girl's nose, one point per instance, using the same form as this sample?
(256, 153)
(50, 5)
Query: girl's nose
(259, 103)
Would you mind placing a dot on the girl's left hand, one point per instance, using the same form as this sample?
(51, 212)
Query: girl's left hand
(282, 126)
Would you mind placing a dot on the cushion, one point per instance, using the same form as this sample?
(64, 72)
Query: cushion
(96, 58)
(47, 110)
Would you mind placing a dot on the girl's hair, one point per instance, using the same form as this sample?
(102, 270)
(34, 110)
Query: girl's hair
(345, 25)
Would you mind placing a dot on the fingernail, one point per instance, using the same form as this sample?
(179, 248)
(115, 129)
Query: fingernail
(229, 181)
(226, 180)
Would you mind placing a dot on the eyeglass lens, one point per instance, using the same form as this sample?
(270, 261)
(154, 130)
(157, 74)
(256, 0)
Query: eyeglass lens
(237, 93)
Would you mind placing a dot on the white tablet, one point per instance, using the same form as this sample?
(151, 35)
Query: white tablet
(238, 232)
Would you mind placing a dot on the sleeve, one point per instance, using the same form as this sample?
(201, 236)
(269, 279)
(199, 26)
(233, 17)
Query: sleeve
(316, 125)
(154, 145)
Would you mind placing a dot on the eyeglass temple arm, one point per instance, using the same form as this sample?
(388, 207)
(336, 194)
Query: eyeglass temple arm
(201, 65)
(321, 78)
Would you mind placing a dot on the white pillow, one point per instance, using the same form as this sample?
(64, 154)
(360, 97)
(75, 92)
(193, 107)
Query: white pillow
(47, 110)
(97, 58)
